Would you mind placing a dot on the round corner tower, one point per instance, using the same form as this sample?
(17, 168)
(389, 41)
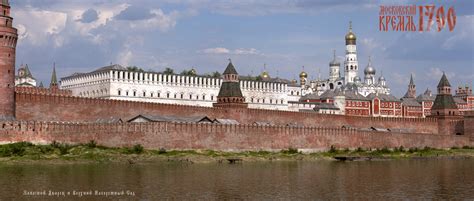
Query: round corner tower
(8, 39)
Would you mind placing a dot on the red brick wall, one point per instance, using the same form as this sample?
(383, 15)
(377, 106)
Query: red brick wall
(218, 137)
(40, 90)
(43, 107)
(469, 124)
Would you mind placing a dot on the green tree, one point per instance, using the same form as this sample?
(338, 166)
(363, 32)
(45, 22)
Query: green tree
(216, 74)
(135, 69)
(188, 73)
(168, 71)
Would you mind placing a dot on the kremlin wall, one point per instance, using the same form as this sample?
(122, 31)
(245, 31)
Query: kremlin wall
(47, 115)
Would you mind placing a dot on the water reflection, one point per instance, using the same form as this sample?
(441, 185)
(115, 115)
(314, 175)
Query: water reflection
(404, 179)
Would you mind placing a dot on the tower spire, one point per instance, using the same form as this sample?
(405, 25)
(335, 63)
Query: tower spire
(350, 26)
(54, 79)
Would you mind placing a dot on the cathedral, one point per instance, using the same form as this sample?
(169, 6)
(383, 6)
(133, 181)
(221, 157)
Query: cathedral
(350, 80)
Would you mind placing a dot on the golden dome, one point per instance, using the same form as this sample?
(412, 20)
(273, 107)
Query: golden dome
(265, 74)
(350, 35)
(303, 74)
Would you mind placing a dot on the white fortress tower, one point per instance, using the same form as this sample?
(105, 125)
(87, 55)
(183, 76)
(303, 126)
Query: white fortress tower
(351, 65)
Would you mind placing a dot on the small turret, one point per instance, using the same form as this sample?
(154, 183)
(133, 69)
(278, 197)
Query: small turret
(411, 92)
(230, 94)
(444, 103)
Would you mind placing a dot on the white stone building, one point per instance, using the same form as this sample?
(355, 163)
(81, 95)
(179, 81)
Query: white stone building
(116, 82)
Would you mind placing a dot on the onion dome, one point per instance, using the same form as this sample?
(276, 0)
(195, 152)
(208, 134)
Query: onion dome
(303, 74)
(350, 37)
(369, 70)
(357, 79)
(265, 75)
(334, 61)
(381, 78)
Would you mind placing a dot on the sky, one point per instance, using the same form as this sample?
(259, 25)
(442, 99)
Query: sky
(80, 36)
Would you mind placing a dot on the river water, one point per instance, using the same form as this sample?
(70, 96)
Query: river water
(319, 180)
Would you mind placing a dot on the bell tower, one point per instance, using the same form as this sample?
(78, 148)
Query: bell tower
(8, 38)
(351, 65)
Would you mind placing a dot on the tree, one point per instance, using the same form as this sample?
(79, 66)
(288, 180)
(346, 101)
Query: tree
(168, 71)
(216, 74)
(135, 69)
(188, 72)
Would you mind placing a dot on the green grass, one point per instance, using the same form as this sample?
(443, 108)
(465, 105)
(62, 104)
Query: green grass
(94, 152)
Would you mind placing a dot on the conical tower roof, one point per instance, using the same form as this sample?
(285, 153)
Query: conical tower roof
(54, 79)
(230, 69)
(444, 81)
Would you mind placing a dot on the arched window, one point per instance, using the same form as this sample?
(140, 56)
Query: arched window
(119, 92)
(134, 93)
(144, 94)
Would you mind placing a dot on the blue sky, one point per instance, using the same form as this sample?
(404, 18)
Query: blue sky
(83, 35)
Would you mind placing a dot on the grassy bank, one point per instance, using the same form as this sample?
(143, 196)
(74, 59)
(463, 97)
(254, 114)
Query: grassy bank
(91, 152)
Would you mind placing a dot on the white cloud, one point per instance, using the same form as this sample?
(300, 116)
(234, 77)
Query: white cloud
(435, 74)
(246, 51)
(238, 51)
(38, 26)
(162, 21)
(216, 50)
(399, 78)
(125, 57)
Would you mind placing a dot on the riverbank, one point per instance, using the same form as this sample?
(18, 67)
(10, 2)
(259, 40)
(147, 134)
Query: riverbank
(25, 152)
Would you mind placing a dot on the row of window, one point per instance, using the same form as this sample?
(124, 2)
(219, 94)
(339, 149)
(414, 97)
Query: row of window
(190, 96)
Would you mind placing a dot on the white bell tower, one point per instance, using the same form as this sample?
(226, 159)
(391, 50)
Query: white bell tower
(351, 65)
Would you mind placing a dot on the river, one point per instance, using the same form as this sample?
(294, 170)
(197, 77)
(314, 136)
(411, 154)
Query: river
(303, 180)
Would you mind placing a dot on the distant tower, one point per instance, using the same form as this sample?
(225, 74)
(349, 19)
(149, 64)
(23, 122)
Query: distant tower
(230, 94)
(334, 67)
(265, 76)
(445, 110)
(303, 78)
(444, 103)
(411, 92)
(351, 65)
(8, 38)
(53, 85)
(369, 73)
(382, 80)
